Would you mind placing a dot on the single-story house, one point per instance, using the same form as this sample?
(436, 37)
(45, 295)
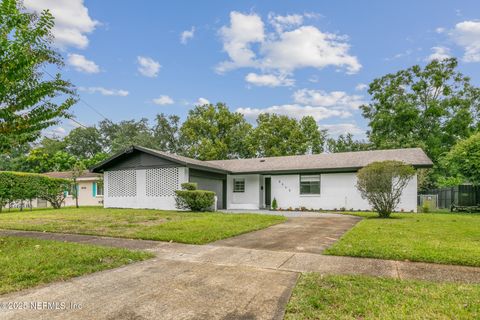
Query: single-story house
(145, 178)
(89, 186)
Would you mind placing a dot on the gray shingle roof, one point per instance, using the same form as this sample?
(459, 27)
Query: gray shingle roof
(343, 161)
(327, 162)
(68, 174)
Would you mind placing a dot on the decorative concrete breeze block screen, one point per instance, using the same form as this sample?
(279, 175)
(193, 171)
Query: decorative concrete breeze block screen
(161, 182)
(122, 183)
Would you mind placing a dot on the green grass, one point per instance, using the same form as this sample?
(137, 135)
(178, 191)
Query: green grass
(360, 297)
(27, 262)
(430, 237)
(184, 227)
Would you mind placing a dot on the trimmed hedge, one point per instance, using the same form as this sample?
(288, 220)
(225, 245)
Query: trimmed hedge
(21, 186)
(192, 199)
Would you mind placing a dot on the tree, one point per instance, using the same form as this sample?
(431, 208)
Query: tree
(77, 171)
(28, 102)
(463, 162)
(84, 143)
(119, 136)
(280, 135)
(345, 143)
(213, 132)
(166, 133)
(431, 107)
(382, 184)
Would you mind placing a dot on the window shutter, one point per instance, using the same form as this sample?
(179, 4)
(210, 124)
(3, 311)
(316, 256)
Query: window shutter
(94, 189)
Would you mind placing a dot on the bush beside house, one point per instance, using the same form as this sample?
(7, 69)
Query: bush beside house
(190, 198)
(20, 186)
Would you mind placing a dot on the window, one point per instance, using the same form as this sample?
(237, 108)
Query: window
(310, 184)
(238, 185)
(99, 189)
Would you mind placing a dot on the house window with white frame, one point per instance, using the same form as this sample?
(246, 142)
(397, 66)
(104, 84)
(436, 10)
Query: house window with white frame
(310, 184)
(238, 185)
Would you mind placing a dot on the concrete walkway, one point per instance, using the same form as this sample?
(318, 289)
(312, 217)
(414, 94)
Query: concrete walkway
(200, 281)
(273, 260)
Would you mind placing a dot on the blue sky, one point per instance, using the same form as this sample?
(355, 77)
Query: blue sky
(137, 59)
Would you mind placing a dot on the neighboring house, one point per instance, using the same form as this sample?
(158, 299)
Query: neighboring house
(144, 178)
(89, 186)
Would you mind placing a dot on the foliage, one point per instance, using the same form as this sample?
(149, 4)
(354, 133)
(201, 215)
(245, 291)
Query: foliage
(463, 161)
(29, 262)
(325, 297)
(431, 107)
(279, 135)
(428, 237)
(382, 184)
(28, 102)
(39, 161)
(76, 172)
(189, 186)
(161, 225)
(53, 190)
(212, 132)
(190, 198)
(166, 133)
(195, 200)
(84, 143)
(346, 143)
(20, 186)
(274, 204)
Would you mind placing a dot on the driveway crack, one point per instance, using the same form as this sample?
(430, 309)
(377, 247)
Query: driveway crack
(286, 260)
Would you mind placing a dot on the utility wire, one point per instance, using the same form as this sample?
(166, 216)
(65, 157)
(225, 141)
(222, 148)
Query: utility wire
(86, 103)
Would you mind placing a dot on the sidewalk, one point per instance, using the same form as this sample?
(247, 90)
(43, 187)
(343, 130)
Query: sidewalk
(274, 260)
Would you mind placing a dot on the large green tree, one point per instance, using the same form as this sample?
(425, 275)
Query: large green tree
(29, 102)
(84, 143)
(280, 135)
(431, 107)
(213, 132)
(463, 162)
(119, 136)
(166, 133)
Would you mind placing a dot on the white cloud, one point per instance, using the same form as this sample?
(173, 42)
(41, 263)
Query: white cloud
(342, 128)
(187, 35)
(82, 64)
(467, 35)
(281, 23)
(333, 99)
(201, 102)
(269, 80)
(361, 87)
(282, 51)
(243, 30)
(105, 91)
(440, 30)
(72, 21)
(148, 67)
(439, 53)
(296, 111)
(163, 100)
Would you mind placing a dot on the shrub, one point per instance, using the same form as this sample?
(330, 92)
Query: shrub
(195, 200)
(189, 186)
(426, 207)
(20, 186)
(382, 184)
(53, 190)
(274, 204)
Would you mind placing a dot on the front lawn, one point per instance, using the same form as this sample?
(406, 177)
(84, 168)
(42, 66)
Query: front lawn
(430, 237)
(27, 262)
(184, 227)
(360, 297)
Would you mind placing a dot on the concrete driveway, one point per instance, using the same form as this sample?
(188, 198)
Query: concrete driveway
(299, 234)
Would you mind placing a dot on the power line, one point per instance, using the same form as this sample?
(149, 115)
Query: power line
(86, 103)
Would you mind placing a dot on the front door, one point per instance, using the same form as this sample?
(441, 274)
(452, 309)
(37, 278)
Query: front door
(268, 191)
